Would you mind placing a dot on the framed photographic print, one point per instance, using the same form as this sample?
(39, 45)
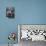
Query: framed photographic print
(10, 12)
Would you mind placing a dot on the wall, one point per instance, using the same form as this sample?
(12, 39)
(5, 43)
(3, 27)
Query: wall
(6, 25)
(27, 12)
(31, 11)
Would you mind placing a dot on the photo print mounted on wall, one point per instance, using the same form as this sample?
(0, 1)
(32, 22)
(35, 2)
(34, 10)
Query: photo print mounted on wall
(10, 12)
